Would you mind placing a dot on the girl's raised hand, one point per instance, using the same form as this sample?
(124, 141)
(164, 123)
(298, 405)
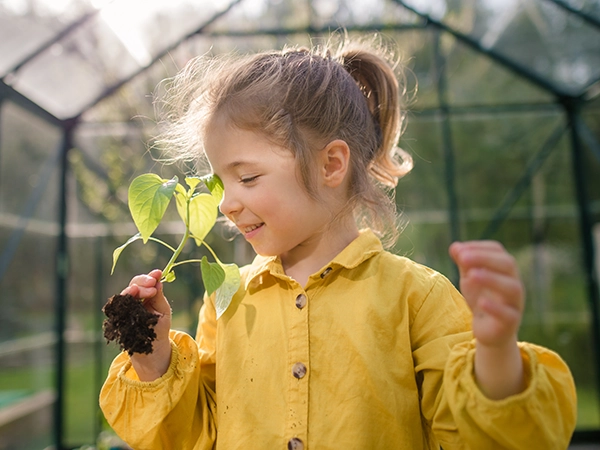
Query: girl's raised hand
(491, 285)
(149, 288)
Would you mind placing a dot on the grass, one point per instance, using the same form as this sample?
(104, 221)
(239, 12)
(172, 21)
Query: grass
(588, 408)
(82, 415)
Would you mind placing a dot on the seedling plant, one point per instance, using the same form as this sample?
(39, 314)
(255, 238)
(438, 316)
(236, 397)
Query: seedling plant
(149, 196)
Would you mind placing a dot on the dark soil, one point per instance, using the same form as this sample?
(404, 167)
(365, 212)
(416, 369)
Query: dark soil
(129, 324)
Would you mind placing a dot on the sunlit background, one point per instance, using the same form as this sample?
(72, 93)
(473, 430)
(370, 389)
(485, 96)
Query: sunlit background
(504, 128)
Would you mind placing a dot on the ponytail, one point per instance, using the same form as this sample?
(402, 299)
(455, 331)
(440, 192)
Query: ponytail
(377, 81)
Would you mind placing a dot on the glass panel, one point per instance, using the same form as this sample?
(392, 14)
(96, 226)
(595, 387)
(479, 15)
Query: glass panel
(590, 8)
(28, 193)
(263, 14)
(541, 231)
(475, 79)
(422, 197)
(493, 153)
(290, 16)
(25, 26)
(537, 35)
(590, 138)
(117, 43)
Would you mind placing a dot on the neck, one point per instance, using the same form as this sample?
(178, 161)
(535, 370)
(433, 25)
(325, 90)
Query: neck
(320, 249)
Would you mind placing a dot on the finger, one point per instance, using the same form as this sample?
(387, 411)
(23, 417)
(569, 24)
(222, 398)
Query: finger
(492, 258)
(132, 290)
(140, 292)
(507, 288)
(156, 274)
(484, 244)
(458, 247)
(147, 292)
(157, 301)
(144, 280)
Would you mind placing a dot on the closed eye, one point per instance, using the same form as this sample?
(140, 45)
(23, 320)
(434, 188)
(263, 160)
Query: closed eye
(248, 180)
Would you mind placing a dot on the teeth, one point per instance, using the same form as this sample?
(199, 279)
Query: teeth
(251, 228)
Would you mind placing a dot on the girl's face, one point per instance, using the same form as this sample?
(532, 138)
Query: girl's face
(263, 195)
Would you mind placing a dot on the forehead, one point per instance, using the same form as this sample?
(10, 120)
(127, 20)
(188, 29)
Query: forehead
(228, 147)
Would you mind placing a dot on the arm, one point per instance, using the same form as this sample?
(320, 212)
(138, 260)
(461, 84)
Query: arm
(491, 285)
(500, 394)
(153, 407)
(460, 415)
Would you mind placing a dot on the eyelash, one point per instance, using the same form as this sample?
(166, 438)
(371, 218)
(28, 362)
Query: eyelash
(248, 179)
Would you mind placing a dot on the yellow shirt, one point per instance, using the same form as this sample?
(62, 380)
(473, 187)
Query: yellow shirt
(375, 352)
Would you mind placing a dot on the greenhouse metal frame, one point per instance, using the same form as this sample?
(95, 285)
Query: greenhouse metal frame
(581, 139)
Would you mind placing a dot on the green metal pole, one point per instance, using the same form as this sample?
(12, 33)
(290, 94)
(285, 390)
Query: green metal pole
(98, 341)
(447, 143)
(61, 289)
(572, 109)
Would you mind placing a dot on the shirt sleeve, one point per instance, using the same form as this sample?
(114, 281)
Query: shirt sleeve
(176, 410)
(461, 417)
(542, 416)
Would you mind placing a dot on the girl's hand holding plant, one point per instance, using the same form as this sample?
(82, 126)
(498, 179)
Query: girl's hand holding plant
(139, 318)
(149, 289)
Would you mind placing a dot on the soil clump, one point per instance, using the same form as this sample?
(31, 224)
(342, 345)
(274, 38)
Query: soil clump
(129, 324)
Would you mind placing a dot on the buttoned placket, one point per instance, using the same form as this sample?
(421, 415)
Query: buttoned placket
(299, 370)
(299, 364)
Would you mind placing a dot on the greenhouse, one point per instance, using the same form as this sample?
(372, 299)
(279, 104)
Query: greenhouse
(503, 125)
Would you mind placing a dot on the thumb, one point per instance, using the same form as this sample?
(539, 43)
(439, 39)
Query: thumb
(156, 274)
(158, 302)
(454, 250)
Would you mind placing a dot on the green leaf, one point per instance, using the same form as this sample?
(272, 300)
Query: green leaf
(192, 182)
(203, 214)
(120, 249)
(214, 185)
(179, 189)
(181, 201)
(228, 289)
(213, 275)
(149, 196)
(169, 277)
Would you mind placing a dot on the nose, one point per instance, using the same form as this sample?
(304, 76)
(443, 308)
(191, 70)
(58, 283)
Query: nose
(230, 206)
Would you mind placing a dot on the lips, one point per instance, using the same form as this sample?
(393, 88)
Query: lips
(250, 230)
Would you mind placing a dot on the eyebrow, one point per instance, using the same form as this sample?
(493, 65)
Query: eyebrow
(235, 164)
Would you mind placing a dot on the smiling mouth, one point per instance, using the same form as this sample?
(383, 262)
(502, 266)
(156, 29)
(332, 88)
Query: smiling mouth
(251, 228)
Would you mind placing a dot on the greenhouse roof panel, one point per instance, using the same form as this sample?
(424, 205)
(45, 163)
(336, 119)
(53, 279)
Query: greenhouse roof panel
(66, 55)
(255, 16)
(122, 39)
(555, 41)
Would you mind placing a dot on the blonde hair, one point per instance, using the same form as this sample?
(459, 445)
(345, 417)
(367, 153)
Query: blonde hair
(301, 99)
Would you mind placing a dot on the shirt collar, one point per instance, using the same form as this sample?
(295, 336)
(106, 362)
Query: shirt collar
(366, 245)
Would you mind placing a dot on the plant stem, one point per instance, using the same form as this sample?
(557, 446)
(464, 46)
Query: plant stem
(179, 263)
(212, 252)
(161, 242)
(177, 252)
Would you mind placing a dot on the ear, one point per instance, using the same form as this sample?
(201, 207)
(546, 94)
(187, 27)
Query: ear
(335, 162)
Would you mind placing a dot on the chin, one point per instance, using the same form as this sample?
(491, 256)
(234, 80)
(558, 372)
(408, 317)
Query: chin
(263, 252)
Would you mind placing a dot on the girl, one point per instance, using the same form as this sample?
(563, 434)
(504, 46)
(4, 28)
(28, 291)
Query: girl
(331, 341)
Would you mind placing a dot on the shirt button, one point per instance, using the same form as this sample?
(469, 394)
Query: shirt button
(326, 272)
(295, 444)
(299, 370)
(301, 301)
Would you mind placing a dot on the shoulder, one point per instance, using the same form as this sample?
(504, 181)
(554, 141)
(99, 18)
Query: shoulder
(420, 286)
(401, 267)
